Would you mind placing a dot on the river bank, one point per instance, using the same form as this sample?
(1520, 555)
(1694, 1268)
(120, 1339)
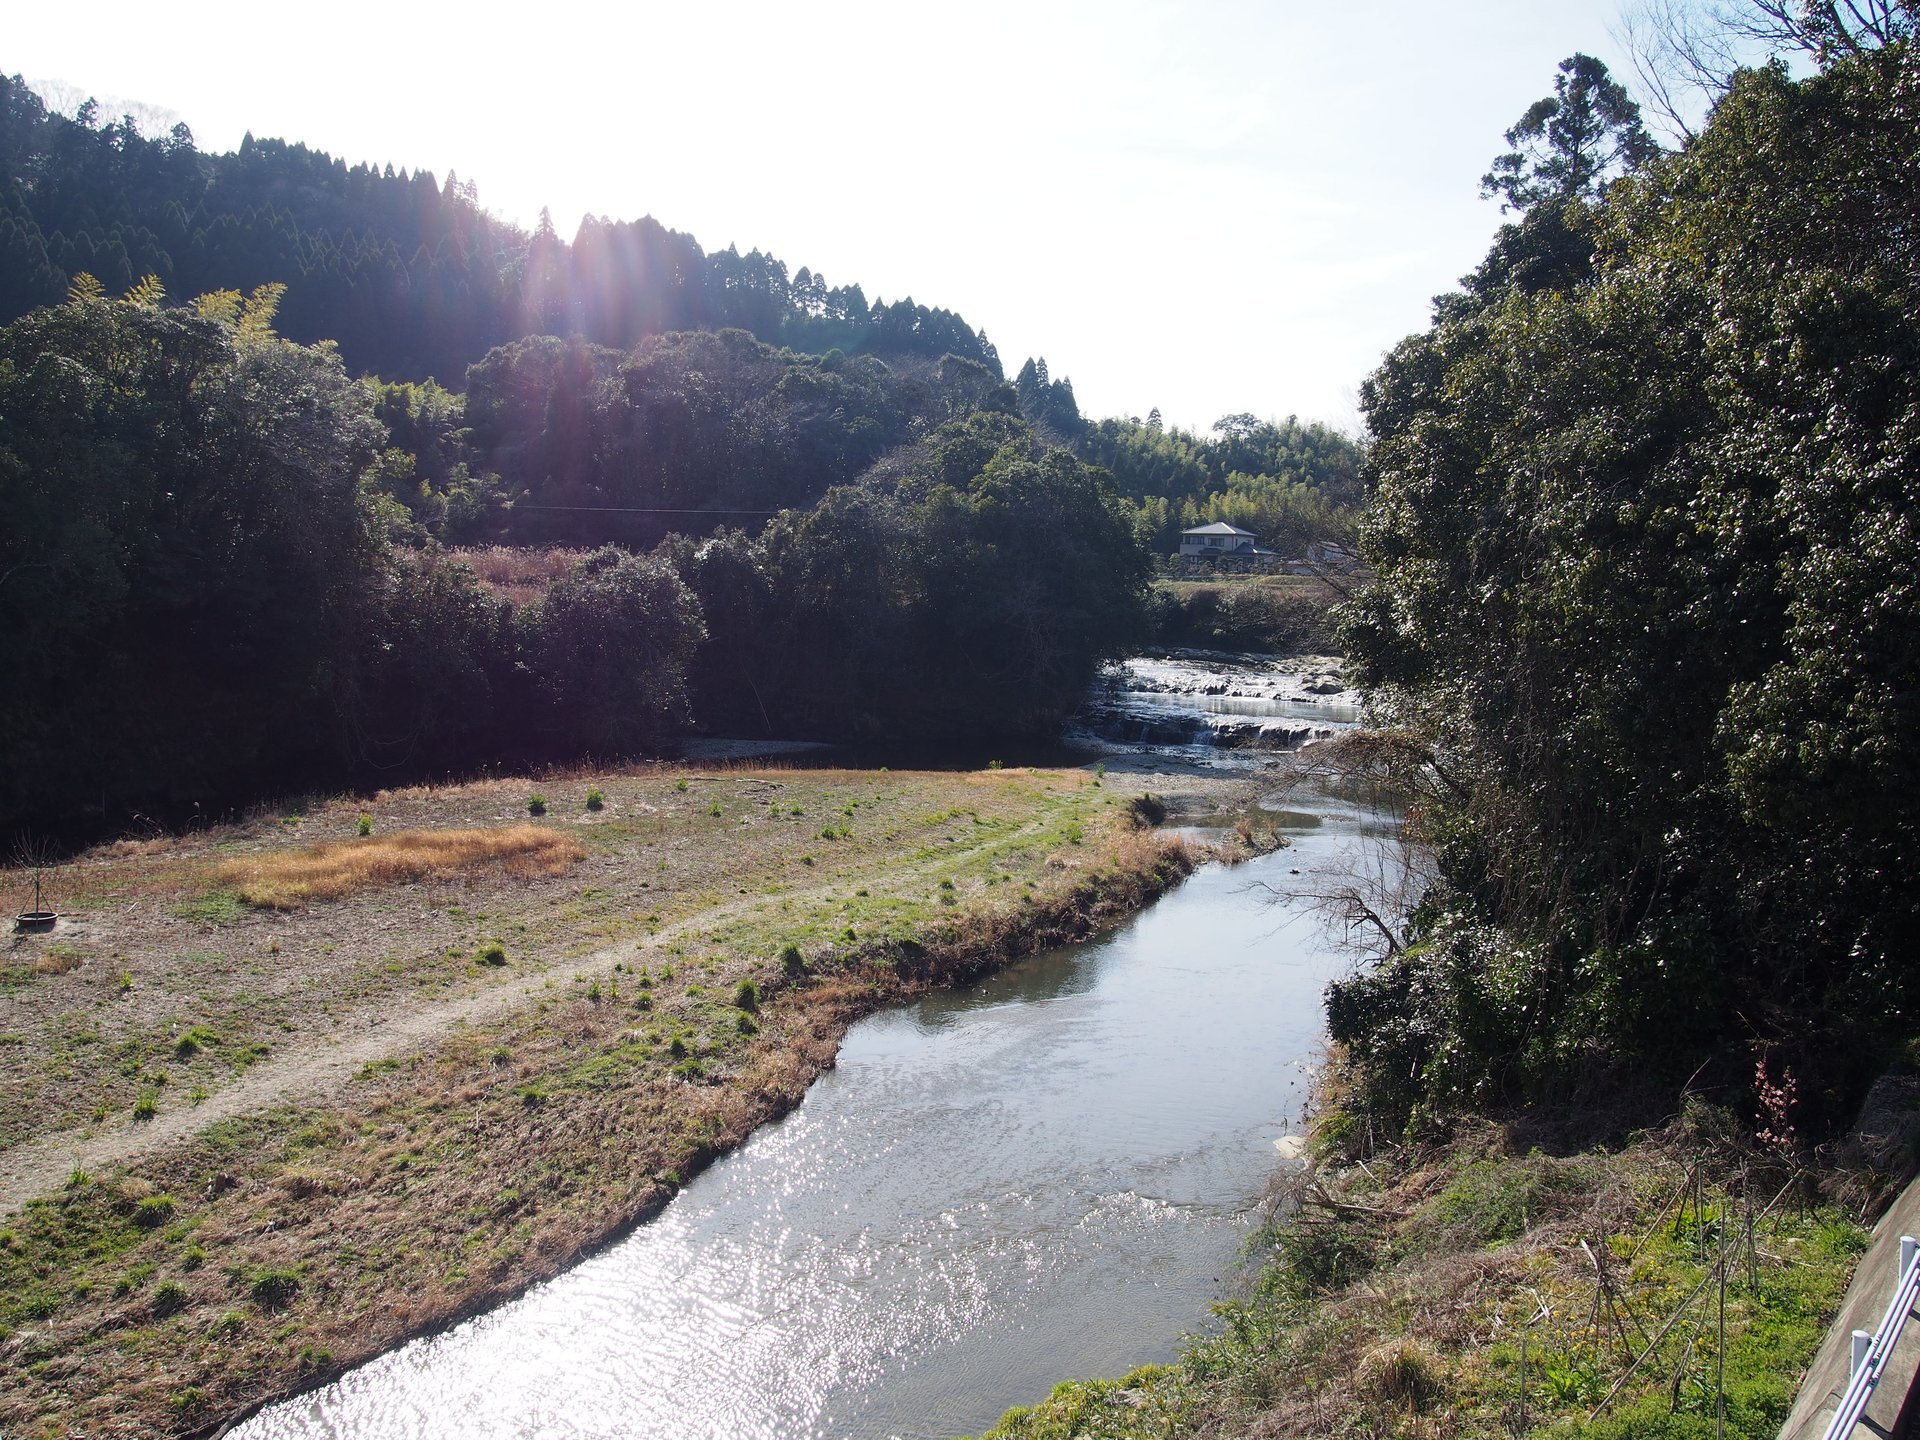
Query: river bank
(1475, 1285)
(318, 1130)
(1044, 1171)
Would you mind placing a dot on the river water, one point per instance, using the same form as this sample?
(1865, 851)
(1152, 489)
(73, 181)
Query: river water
(1046, 1175)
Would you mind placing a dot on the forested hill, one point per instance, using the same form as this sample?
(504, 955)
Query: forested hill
(1288, 482)
(410, 276)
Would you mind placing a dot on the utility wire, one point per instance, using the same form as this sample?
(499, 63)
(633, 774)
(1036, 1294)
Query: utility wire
(640, 510)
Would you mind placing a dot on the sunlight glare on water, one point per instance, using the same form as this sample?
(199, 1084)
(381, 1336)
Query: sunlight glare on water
(1046, 1175)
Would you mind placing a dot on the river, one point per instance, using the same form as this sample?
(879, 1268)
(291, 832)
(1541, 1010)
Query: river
(1046, 1175)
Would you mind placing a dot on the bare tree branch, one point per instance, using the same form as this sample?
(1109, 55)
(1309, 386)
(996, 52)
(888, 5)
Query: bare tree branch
(1680, 58)
(1376, 884)
(1686, 52)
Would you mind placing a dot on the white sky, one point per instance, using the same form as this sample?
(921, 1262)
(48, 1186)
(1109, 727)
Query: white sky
(1208, 207)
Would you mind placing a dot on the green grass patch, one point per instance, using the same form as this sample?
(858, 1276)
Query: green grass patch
(193, 1040)
(273, 1289)
(216, 907)
(1496, 1200)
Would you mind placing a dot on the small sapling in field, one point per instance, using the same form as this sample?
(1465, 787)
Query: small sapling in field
(274, 1289)
(596, 798)
(193, 1040)
(169, 1298)
(366, 826)
(536, 805)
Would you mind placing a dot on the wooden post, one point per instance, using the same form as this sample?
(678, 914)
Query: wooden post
(1720, 1347)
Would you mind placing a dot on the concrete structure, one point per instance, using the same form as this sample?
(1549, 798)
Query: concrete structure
(1325, 555)
(1889, 1413)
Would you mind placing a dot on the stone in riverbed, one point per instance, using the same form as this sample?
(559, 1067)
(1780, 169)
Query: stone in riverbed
(1262, 734)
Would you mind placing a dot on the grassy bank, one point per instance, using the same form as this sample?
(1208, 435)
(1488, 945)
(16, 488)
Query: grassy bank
(308, 1128)
(1478, 1289)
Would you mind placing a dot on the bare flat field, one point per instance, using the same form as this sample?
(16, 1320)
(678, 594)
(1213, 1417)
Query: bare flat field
(276, 1096)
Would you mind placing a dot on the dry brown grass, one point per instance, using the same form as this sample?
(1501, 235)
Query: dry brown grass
(288, 880)
(1401, 1373)
(143, 849)
(57, 960)
(518, 575)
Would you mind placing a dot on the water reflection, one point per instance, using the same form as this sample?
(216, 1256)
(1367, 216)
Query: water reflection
(1045, 1175)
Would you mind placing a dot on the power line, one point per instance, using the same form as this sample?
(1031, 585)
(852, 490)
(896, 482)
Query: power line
(638, 510)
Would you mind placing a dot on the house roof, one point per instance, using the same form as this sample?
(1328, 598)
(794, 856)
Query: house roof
(1219, 527)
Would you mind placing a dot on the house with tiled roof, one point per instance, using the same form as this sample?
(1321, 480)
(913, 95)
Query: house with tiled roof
(1221, 541)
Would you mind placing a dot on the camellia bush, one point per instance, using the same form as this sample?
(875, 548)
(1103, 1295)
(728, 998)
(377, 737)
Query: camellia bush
(1643, 518)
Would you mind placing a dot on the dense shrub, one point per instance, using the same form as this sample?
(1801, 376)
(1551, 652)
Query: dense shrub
(185, 547)
(437, 678)
(967, 587)
(1290, 615)
(207, 575)
(610, 646)
(1643, 529)
(202, 604)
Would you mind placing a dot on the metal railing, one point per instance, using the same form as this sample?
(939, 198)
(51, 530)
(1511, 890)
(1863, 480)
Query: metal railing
(1871, 1352)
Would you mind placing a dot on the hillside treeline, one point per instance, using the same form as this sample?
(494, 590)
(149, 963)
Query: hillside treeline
(1290, 483)
(410, 276)
(686, 433)
(1643, 517)
(211, 592)
(566, 442)
(628, 409)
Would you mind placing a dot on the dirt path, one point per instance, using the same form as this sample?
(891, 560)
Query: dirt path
(323, 1066)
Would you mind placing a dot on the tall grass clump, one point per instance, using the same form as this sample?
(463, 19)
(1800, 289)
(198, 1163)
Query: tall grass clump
(274, 1289)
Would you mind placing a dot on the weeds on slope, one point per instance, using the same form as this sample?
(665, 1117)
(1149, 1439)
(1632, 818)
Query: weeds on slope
(1464, 1290)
